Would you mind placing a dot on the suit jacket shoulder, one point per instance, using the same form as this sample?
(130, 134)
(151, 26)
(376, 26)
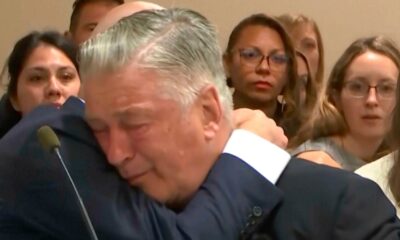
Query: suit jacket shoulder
(36, 201)
(320, 202)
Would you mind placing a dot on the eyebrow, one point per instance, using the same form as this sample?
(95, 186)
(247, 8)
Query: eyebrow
(132, 112)
(123, 114)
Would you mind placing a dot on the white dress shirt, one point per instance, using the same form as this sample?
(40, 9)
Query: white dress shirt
(266, 158)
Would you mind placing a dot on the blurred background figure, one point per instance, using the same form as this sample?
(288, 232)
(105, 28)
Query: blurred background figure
(307, 39)
(85, 16)
(307, 87)
(260, 66)
(350, 123)
(41, 69)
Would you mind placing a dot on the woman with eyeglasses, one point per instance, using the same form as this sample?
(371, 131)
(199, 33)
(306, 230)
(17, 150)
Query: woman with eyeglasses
(349, 124)
(386, 170)
(260, 65)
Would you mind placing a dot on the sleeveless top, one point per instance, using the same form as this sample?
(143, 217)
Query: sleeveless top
(346, 160)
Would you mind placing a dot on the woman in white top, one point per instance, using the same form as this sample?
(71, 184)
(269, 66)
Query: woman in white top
(380, 172)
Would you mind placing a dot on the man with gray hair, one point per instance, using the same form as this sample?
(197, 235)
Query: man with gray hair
(157, 103)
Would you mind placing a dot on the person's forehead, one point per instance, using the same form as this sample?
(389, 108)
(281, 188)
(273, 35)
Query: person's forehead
(122, 11)
(93, 12)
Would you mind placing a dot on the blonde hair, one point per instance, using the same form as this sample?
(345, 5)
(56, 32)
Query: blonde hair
(290, 22)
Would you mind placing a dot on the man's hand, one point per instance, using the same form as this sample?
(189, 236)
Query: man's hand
(258, 123)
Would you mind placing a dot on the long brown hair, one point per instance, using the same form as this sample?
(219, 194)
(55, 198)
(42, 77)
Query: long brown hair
(394, 173)
(327, 119)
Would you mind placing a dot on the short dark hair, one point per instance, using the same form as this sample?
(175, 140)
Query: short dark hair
(77, 8)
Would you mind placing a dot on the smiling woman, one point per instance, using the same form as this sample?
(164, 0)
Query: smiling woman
(42, 69)
(351, 121)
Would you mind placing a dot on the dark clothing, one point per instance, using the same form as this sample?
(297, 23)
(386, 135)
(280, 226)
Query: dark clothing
(36, 201)
(309, 202)
(322, 203)
(8, 116)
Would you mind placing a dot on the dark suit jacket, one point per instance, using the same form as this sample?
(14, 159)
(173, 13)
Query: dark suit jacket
(36, 201)
(320, 202)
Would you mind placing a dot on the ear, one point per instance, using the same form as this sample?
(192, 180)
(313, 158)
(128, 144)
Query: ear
(211, 111)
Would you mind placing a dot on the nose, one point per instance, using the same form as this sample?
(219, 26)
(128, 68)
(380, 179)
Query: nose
(53, 88)
(263, 66)
(372, 97)
(119, 148)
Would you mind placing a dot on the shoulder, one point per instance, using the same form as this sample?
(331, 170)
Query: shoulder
(320, 157)
(324, 179)
(377, 168)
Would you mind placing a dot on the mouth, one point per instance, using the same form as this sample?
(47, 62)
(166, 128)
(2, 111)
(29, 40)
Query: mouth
(135, 178)
(371, 117)
(263, 85)
(57, 105)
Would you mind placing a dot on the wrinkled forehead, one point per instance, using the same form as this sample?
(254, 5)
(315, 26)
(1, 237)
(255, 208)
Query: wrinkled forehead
(122, 11)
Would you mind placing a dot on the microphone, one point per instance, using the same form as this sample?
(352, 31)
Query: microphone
(50, 142)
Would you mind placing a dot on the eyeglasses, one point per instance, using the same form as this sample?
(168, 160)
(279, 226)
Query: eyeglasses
(360, 89)
(253, 57)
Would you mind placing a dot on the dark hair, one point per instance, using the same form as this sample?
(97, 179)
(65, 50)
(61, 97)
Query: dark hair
(77, 8)
(25, 46)
(15, 63)
(290, 91)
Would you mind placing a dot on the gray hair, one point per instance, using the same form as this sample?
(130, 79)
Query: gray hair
(179, 44)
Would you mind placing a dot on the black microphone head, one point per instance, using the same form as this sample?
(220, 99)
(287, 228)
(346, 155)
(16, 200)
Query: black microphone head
(48, 138)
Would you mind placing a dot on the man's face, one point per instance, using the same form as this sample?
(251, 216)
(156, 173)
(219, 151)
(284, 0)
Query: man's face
(154, 144)
(91, 13)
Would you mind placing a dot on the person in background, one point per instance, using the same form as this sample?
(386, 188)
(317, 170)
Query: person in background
(386, 170)
(158, 89)
(308, 92)
(349, 125)
(85, 16)
(260, 65)
(41, 69)
(36, 203)
(307, 39)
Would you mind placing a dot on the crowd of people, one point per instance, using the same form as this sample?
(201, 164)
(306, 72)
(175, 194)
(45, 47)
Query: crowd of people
(169, 137)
